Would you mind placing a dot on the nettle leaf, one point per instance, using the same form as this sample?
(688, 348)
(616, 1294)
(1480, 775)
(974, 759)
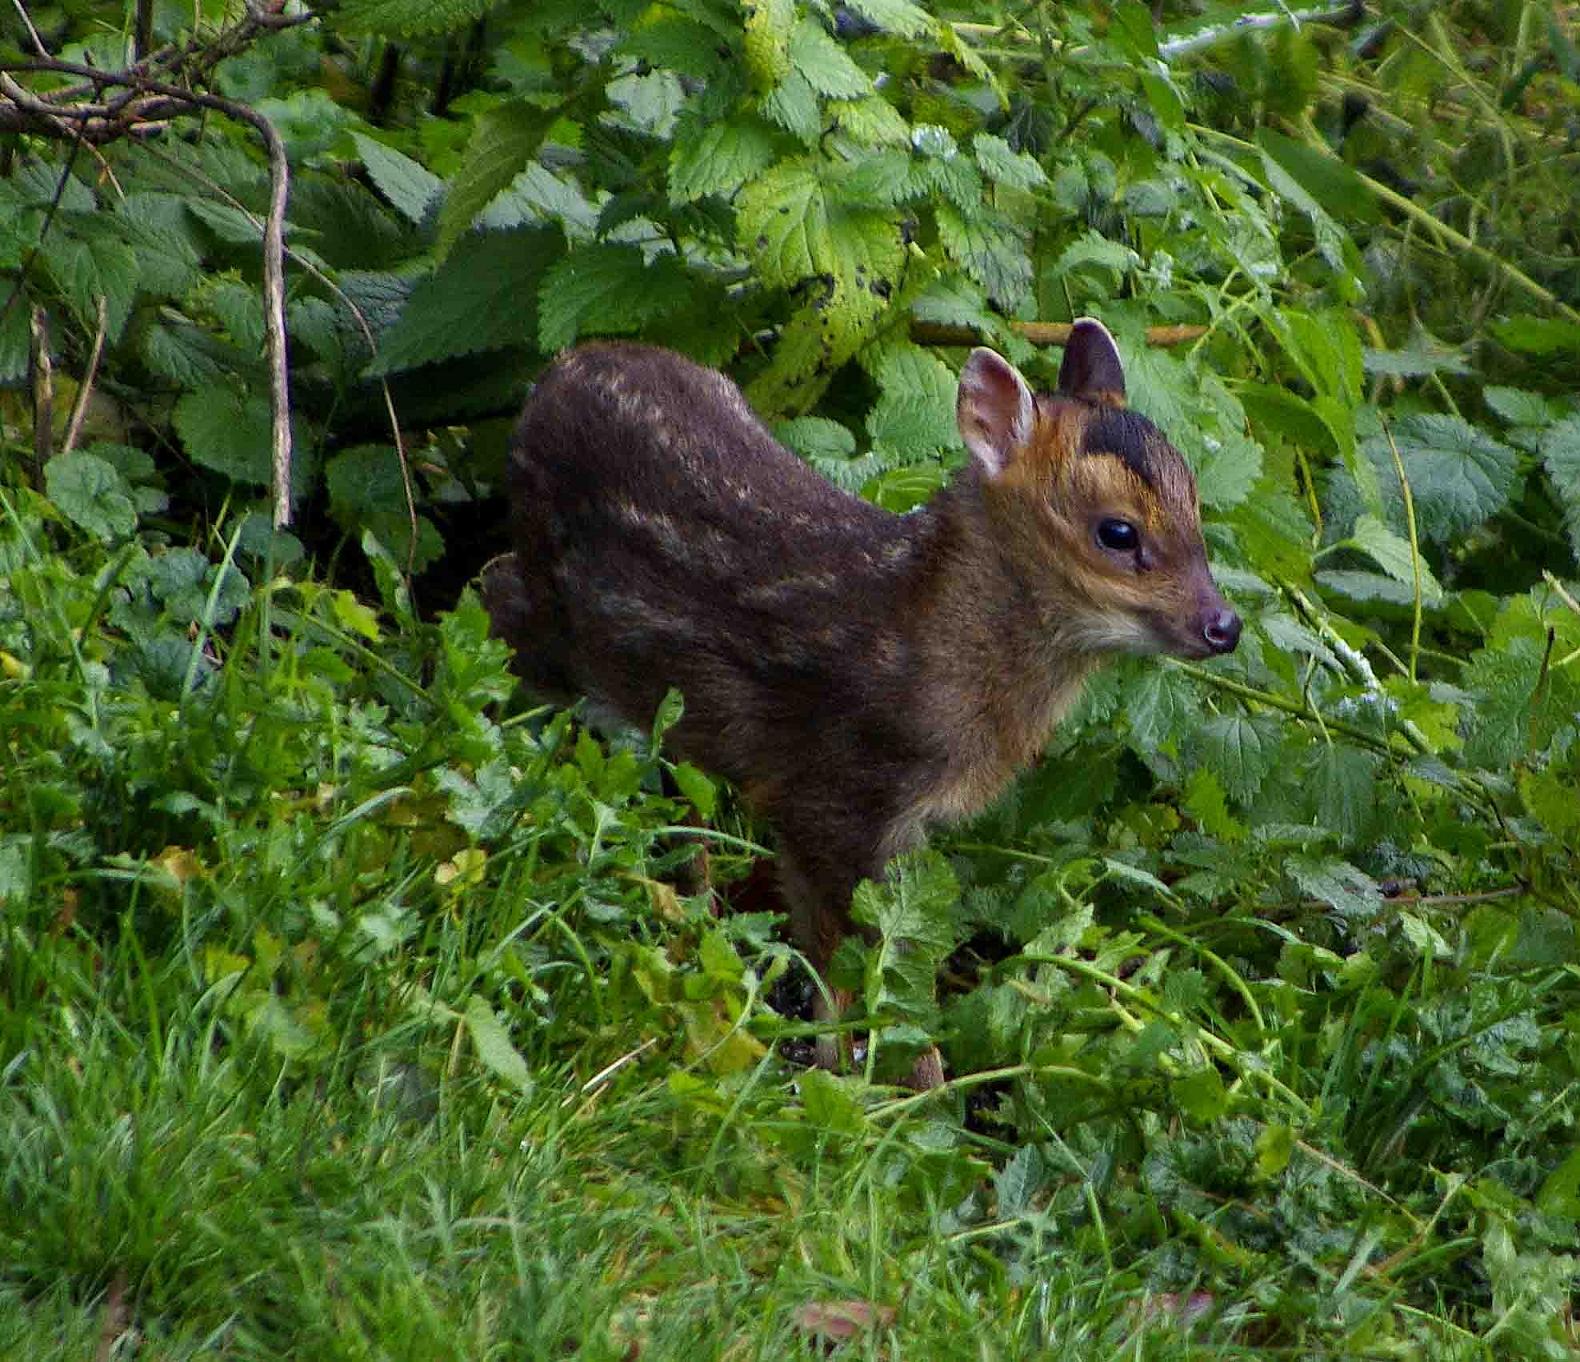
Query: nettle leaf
(1241, 750)
(92, 494)
(1342, 782)
(227, 428)
(1560, 448)
(792, 104)
(492, 1043)
(1459, 476)
(899, 17)
(1161, 707)
(364, 479)
(769, 24)
(872, 121)
(411, 188)
(991, 249)
(1337, 883)
(1391, 552)
(816, 437)
(503, 141)
(824, 64)
(410, 17)
(1002, 163)
(1506, 679)
(89, 267)
(916, 411)
(717, 158)
(1518, 407)
(483, 297)
(610, 289)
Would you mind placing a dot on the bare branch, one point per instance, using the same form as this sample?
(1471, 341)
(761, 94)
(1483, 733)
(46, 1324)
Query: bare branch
(1042, 333)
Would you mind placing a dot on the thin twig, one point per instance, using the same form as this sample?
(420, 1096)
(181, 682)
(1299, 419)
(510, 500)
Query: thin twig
(79, 408)
(1041, 333)
(42, 378)
(27, 23)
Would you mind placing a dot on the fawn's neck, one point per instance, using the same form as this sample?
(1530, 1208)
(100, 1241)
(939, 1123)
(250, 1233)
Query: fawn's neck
(999, 660)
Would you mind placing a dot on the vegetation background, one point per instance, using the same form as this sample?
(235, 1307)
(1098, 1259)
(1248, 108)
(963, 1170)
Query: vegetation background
(347, 1011)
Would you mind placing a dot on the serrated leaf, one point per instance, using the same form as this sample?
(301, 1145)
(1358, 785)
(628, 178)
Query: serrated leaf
(792, 104)
(1018, 1182)
(457, 310)
(365, 479)
(872, 121)
(227, 428)
(1240, 750)
(91, 493)
(766, 44)
(816, 437)
(492, 1043)
(1000, 162)
(1459, 476)
(1343, 786)
(1538, 335)
(717, 158)
(1391, 552)
(990, 249)
(88, 268)
(410, 17)
(503, 141)
(1161, 707)
(824, 64)
(916, 411)
(1560, 447)
(1337, 883)
(899, 17)
(607, 289)
(410, 188)
(1519, 407)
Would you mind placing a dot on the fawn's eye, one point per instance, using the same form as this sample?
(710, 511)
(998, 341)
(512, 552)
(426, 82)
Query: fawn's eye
(1118, 535)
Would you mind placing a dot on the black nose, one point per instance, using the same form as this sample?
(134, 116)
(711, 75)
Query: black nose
(1221, 629)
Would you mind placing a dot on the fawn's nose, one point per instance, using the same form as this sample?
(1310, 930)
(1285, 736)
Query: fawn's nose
(1221, 629)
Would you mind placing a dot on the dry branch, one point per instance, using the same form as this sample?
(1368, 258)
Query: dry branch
(104, 105)
(1041, 333)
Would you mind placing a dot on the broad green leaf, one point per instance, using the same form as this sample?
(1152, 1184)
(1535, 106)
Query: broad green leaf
(411, 188)
(792, 104)
(1332, 183)
(493, 1046)
(990, 249)
(769, 24)
(1240, 750)
(1161, 708)
(1560, 448)
(92, 266)
(899, 17)
(410, 17)
(824, 64)
(1337, 883)
(1538, 335)
(1391, 552)
(916, 411)
(717, 158)
(227, 428)
(606, 289)
(364, 479)
(1459, 476)
(1018, 1182)
(872, 121)
(1519, 407)
(483, 297)
(91, 493)
(999, 162)
(1343, 786)
(503, 141)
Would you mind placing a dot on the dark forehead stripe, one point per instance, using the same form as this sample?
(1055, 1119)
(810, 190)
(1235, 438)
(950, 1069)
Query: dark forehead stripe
(1128, 436)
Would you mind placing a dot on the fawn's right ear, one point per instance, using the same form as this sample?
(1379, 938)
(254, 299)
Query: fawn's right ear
(1091, 368)
(994, 410)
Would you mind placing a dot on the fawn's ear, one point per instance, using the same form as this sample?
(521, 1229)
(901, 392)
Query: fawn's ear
(1091, 368)
(994, 410)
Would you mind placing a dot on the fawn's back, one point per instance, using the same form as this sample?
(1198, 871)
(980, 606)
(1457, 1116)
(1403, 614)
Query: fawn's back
(858, 674)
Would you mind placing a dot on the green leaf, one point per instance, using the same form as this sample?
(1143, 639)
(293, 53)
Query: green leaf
(991, 249)
(1391, 552)
(93, 266)
(1560, 448)
(227, 428)
(606, 289)
(1337, 883)
(411, 188)
(916, 411)
(1538, 335)
(899, 17)
(1018, 1182)
(410, 17)
(816, 437)
(1240, 750)
(1161, 707)
(91, 493)
(824, 64)
(1518, 407)
(792, 104)
(504, 140)
(1332, 183)
(1006, 166)
(457, 310)
(493, 1046)
(769, 24)
(1459, 476)
(1201, 1094)
(365, 479)
(717, 158)
(1343, 786)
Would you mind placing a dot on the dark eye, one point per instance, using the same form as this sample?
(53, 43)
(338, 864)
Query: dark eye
(1118, 535)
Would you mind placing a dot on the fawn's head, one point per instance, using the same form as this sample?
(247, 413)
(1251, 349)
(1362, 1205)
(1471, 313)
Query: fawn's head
(1093, 505)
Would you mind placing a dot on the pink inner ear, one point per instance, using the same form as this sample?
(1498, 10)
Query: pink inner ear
(993, 410)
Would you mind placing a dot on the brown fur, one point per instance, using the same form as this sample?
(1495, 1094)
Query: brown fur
(859, 674)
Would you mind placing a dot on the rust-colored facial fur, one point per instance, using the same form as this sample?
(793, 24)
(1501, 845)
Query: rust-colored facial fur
(1094, 505)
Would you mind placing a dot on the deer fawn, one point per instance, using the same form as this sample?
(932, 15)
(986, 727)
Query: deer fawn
(858, 674)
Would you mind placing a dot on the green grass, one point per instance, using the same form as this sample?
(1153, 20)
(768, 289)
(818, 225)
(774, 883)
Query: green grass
(341, 1019)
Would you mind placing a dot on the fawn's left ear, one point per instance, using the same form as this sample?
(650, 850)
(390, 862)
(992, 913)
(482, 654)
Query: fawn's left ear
(994, 410)
(1091, 368)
